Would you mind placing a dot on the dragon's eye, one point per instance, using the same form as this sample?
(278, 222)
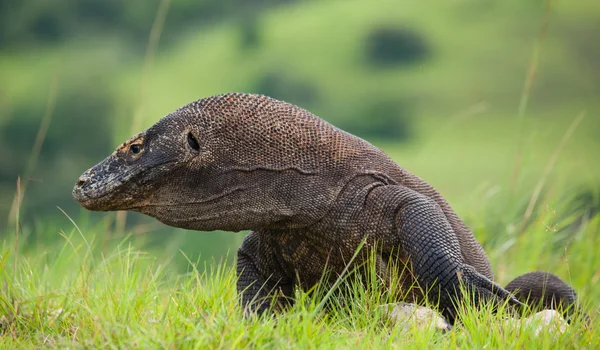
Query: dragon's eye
(135, 149)
(193, 142)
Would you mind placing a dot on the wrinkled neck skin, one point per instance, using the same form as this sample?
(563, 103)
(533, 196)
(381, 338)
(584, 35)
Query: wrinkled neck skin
(235, 200)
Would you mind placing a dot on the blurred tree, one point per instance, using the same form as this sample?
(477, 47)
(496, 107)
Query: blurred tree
(40, 21)
(278, 85)
(250, 36)
(388, 46)
(380, 119)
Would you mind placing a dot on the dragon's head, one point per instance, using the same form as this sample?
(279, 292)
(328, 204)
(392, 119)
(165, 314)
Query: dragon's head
(229, 162)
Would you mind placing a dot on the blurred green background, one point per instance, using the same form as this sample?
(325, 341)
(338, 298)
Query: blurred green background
(474, 96)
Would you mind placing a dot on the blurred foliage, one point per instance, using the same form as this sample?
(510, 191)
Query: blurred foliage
(393, 46)
(283, 87)
(387, 119)
(437, 85)
(48, 22)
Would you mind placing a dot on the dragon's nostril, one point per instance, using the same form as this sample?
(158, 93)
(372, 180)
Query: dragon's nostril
(80, 182)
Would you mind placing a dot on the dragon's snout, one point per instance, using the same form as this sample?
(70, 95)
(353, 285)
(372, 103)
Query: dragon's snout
(80, 189)
(93, 192)
(100, 188)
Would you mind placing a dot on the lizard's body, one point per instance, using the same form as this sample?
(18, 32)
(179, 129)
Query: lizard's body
(311, 193)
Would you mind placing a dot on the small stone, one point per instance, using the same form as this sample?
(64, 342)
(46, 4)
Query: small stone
(549, 320)
(404, 313)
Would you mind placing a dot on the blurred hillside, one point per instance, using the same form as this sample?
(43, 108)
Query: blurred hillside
(437, 84)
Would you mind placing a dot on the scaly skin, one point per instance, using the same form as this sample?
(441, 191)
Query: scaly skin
(310, 193)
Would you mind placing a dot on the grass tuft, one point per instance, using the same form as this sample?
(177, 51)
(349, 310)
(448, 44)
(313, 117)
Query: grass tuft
(79, 294)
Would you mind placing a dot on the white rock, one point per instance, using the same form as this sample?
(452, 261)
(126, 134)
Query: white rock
(547, 319)
(404, 315)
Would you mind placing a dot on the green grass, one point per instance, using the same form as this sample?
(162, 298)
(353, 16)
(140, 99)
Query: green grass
(85, 294)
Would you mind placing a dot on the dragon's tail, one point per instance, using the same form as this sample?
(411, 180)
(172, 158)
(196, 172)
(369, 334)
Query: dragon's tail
(543, 290)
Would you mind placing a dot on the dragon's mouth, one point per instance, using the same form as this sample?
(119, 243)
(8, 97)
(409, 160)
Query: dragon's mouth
(105, 191)
(96, 193)
(89, 201)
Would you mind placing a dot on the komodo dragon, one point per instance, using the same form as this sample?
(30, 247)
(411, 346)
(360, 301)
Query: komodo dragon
(310, 193)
